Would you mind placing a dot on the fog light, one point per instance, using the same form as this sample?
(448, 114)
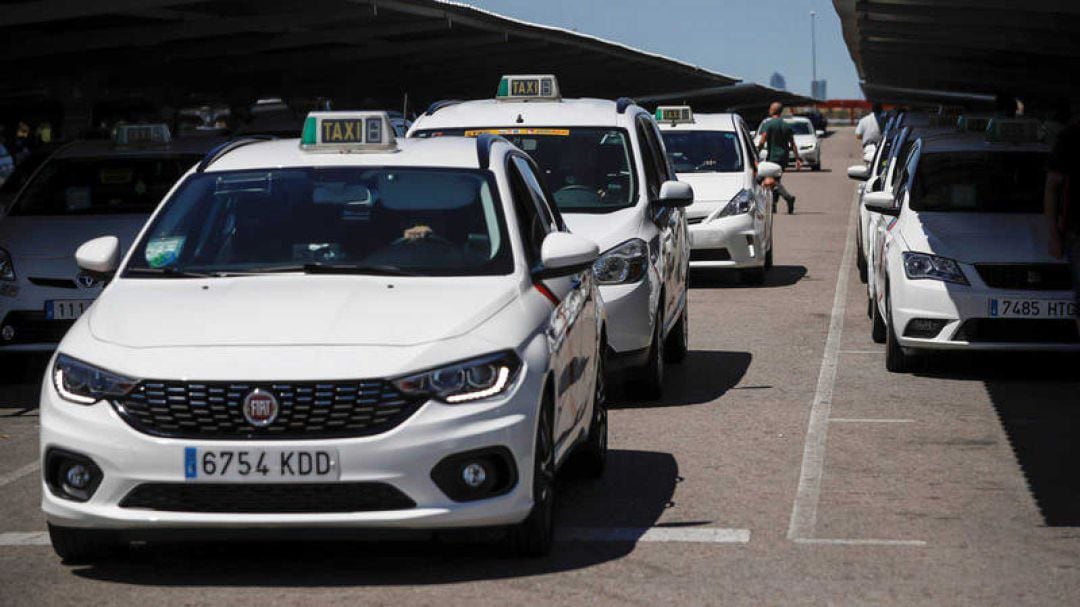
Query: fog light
(474, 475)
(750, 245)
(925, 328)
(77, 477)
(7, 333)
(71, 475)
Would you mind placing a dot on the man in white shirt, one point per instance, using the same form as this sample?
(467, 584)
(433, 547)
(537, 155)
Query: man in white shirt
(868, 131)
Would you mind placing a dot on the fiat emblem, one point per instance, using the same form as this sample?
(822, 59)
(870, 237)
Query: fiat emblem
(260, 408)
(85, 281)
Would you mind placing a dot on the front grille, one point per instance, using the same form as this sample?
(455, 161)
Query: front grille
(695, 220)
(267, 498)
(56, 283)
(32, 328)
(213, 410)
(1026, 277)
(1018, 330)
(710, 255)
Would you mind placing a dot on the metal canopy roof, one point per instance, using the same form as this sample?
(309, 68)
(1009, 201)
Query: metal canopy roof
(1028, 49)
(355, 51)
(735, 97)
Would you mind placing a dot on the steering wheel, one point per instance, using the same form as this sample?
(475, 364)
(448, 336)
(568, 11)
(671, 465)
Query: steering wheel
(577, 194)
(429, 239)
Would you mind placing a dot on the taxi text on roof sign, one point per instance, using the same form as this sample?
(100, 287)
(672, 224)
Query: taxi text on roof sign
(1017, 130)
(348, 132)
(142, 134)
(526, 87)
(674, 114)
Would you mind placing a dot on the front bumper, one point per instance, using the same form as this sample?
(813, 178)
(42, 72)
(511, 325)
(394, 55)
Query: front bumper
(22, 308)
(968, 323)
(402, 457)
(631, 312)
(727, 242)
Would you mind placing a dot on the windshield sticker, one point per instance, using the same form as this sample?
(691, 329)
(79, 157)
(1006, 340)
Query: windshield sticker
(246, 183)
(161, 252)
(554, 132)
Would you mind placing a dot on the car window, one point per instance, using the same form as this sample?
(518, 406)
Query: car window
(534, 226)
(588, 170)
(980, 182)
(536, 192)
(653, 176)
(439, 222)
(750, 149)
(800, 128)
(704, 151)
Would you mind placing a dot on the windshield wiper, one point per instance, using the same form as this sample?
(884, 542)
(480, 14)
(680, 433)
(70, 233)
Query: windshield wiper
(336, 268)
(177, 273)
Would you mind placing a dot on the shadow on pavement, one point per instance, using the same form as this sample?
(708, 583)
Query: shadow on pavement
(778, 276)
(637, 487)
(1037, 399)
(702, 377)
(20, 379)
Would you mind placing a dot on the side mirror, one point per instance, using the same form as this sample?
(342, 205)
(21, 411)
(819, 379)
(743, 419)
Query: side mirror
(753, 134)
(767, 170)
(819, 133)
(676, 194)
(99, 256)
(880, 202)
(858, 172)
(563, 253)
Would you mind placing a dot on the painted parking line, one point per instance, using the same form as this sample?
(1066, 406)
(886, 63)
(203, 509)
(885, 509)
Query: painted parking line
(33, 538)
(11, 477)
(869, 420)
(653, 534)
(857, 542)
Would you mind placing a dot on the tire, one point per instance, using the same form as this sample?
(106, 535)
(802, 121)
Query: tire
(896, 361)
(651, 385)
(677, 343)
(878, 330)
(860, 263)
(534, 536)
(590, 461)
(815, 167)
(78, 546)
(769, 258)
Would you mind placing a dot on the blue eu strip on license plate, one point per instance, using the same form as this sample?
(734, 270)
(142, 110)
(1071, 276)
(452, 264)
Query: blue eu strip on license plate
(191, 470)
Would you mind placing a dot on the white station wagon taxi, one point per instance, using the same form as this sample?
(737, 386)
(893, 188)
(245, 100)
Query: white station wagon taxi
(731, 220)
(605, 164)
(335, 332)
(966, 262)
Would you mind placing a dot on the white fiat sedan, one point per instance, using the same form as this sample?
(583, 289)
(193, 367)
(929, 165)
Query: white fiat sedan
(731, 219)
(966, 262)
(330, 333)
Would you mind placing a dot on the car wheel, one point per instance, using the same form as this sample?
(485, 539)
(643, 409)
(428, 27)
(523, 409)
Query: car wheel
(591, 458)
(677, 343)
(769, 258)
(860, 263)
(896, 361)
(877, 330)
(77, 546)
(651, 385)
(534, 536)
(815, 167)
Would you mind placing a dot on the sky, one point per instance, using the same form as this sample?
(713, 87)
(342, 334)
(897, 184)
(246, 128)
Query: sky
(748, 39)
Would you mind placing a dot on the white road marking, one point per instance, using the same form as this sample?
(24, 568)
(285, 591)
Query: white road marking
(862, 351)
(867, 420)
(804, 510)
(36, 538)
(858, 542)
(11, 477)
(653, 534)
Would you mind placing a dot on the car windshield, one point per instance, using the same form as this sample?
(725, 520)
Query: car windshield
(980, 182)
(588, 170)
(703, 151)
(102, 186)
(425, 221)
(800, 127)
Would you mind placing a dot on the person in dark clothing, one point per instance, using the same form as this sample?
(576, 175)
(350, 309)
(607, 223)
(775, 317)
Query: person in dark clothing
(779, 139)
(1061, 201)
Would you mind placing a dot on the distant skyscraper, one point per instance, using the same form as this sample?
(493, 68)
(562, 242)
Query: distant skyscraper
(817, 89)
(777, 81)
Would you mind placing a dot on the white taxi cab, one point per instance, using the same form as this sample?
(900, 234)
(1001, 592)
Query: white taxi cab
(731, 219)
(807, 139)
(605, 163)
(335, 332)
(965, 261)
(84, 189)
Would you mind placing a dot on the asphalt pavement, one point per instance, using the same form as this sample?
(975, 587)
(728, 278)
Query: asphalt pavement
(784, 466)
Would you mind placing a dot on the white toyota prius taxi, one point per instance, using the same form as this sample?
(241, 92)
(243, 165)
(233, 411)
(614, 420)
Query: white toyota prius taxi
(965, 261)
(605, 164)
(731, 219)
(335, 332)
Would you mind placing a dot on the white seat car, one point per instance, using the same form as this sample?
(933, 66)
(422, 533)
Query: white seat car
(966, 262)
(731, 220)
(330, 333)
(807, 140)
(85, 189)
(604, 161)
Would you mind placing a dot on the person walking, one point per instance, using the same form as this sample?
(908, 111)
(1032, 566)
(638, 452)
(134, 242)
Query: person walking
(868, 131)
(779, 139)
(1061, 203)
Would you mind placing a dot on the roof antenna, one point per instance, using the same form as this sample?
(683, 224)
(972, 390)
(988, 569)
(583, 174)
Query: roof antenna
(520, 119)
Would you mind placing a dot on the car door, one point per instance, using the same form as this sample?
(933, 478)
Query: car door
(571, 334)
(763, 216)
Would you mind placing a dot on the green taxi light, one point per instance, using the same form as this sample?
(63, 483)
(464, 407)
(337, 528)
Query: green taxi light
(308, 137)
(528, 87)
(348, 132)
(504, 87)
(674, 114)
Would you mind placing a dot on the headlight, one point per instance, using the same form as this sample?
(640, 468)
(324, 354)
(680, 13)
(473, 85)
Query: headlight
(743, 202)
(623, 264)
(7, 269)
(932, 267)
(463, 382)
(85, 384)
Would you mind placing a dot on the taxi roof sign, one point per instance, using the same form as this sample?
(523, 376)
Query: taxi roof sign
(346, 132)
(142, 134)
(528, 87)
(674, 114)
(972, 124)
(1015, 130)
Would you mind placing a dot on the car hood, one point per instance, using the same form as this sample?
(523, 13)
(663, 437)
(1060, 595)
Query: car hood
(605, 229)
(801, 140)
(45, 237)
(295, 310)
(712, 190)
(980, 237)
